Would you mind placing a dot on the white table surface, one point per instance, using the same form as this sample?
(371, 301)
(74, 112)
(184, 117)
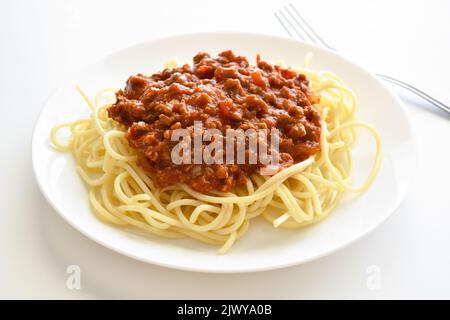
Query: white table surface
(41, 41)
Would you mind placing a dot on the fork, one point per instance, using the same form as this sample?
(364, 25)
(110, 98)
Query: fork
(296, 26)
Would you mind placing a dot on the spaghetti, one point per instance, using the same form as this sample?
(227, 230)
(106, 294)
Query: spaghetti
(123, 194)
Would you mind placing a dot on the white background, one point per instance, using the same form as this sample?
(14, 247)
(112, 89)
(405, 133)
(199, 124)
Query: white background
(42, 41)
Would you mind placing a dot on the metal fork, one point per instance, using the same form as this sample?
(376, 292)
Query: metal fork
(295, 25)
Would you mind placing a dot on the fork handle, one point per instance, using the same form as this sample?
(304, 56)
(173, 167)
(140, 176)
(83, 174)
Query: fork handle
(418, 92)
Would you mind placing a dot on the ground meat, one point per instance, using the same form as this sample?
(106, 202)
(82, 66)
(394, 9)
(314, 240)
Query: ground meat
(223, 93)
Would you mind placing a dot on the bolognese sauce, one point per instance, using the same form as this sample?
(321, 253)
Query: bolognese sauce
(223, 93)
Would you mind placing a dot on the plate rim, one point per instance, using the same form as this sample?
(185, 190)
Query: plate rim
(273, 266)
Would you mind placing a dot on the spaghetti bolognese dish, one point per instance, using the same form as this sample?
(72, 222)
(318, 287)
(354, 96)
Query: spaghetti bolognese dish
(163, 153)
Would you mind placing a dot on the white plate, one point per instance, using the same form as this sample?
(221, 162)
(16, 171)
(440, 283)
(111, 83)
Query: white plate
(263, 247)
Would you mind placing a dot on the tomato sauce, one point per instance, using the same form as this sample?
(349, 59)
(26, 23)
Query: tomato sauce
(224, 92)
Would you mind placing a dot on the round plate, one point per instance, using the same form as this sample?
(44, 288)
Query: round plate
(263, 247)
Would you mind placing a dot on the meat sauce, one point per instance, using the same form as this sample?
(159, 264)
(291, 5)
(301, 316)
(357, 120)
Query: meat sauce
(223, 93)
